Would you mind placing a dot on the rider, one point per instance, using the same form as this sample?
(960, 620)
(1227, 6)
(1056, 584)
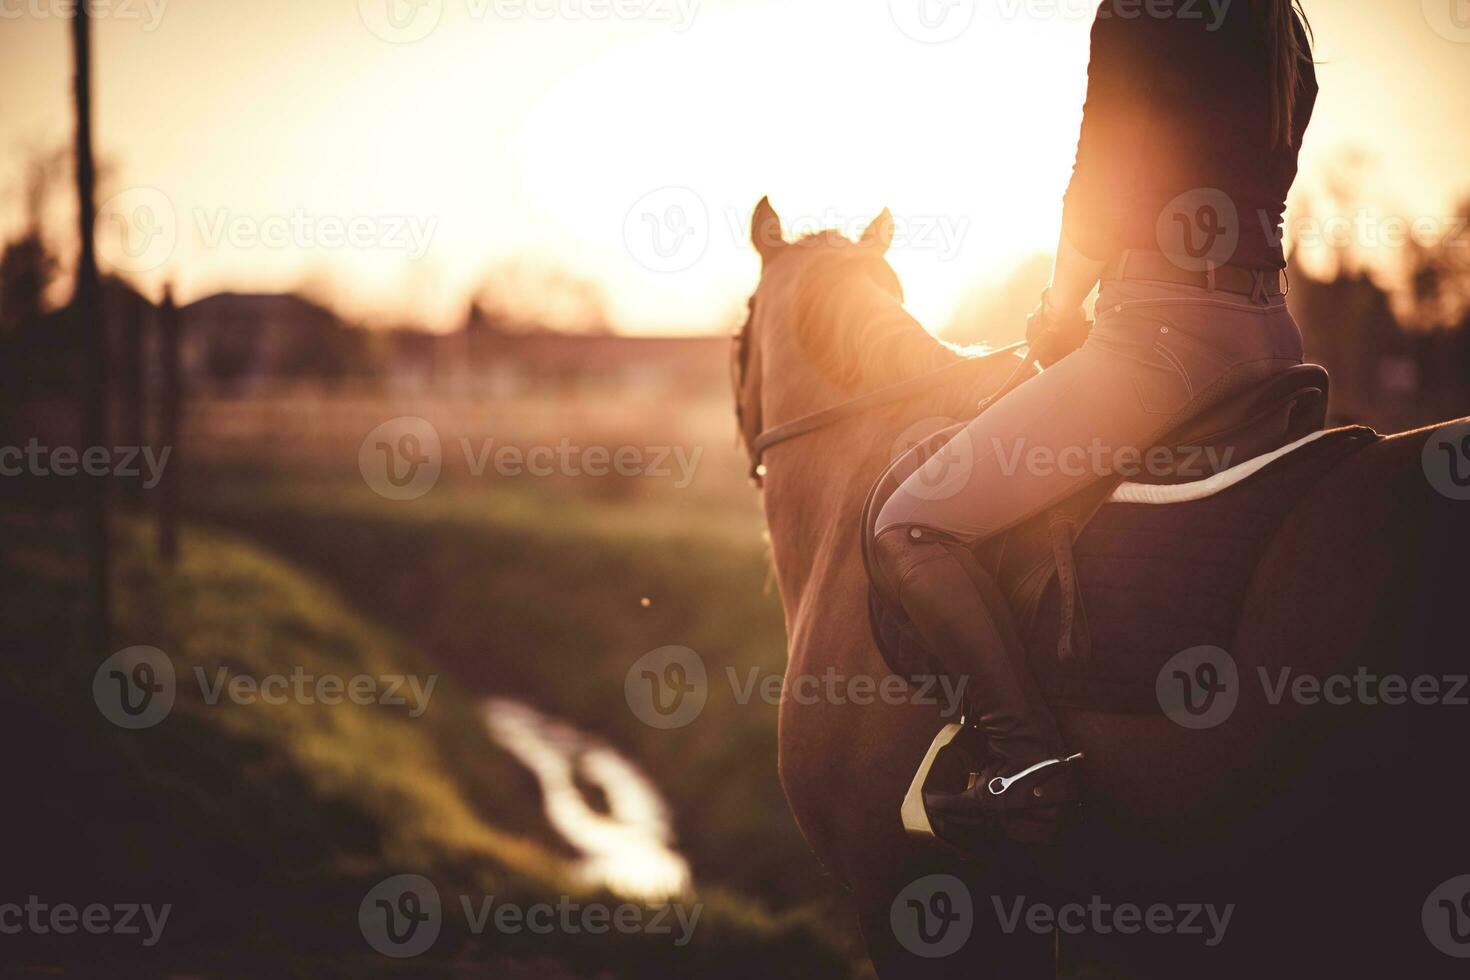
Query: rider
(1189, 144)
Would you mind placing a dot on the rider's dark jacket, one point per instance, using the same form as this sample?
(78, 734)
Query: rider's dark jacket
(1178, 115)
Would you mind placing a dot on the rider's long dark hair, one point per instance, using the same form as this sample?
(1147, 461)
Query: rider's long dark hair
(1284, 56)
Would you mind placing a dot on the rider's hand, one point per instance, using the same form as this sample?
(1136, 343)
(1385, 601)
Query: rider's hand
(1053, 334)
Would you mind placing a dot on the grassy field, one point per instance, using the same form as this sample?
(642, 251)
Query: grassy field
(268, 826)
(548, 589)
(264, 826)
(538, 592)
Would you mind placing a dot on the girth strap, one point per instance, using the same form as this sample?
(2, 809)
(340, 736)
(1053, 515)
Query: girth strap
(1062, 530)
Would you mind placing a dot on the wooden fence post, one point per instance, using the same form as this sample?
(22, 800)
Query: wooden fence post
(170, 413)
(134, 385)
(93, 344)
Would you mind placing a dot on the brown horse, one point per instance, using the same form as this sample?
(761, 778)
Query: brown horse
(1323, 827)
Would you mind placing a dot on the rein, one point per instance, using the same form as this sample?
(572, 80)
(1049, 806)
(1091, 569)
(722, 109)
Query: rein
(787, 431)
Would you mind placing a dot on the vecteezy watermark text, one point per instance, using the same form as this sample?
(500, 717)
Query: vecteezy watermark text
(35, 459)
(568, 459)
(1098, 459)
(403, 458)
(941, 234)
(1365, 687)
(934, 916)
(669, 687)
(833, 687)
(409, 21)
(940, 21)
(1202, 686)
(149, 12)
(403, 915)
(1213, 12)
(569, 916)
(410, 234)
(39, 918)
(135, 688)
(300, 687)
(679, 13)
(1102, 918)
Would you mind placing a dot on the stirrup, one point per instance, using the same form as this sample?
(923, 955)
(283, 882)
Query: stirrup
(914, 813)
(1008, 794)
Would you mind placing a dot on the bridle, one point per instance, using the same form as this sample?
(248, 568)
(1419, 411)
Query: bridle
(765, 439)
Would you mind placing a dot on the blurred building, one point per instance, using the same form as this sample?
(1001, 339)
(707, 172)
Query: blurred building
(492, 358)
(249, 341)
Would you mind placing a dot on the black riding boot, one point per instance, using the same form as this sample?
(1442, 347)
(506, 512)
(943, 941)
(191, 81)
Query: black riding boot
(966, 624)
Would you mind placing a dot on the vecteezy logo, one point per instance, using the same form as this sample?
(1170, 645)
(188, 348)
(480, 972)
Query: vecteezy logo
(401, 916)
(933, 916)
(1199, 687)
(667, 688)
(1199, 229)
(943, 470)
(1446, 917)
(1450, 19)
(1446, 460)
(667, 230)
(932, 21)
(401, 21)
(134, 688)
(401, 458)
(136, 229)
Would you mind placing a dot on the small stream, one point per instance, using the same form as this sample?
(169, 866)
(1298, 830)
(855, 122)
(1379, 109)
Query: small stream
(630, 849)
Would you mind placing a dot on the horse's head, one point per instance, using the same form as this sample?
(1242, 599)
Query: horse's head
(808, 289)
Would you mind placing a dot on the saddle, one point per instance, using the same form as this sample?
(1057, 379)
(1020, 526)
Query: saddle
(1163, 558)
(1232, 471)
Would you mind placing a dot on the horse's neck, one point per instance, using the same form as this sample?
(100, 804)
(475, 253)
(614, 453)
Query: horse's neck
(814, 496)
(816, 484)
(815, 490)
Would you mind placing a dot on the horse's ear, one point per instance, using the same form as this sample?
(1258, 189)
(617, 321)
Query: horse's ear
(765, 230)
(879, 234)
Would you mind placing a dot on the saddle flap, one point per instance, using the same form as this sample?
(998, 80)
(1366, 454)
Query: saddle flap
(889, 481)
(1026, 559)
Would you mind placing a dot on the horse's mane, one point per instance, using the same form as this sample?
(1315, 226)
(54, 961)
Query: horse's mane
(850, 321)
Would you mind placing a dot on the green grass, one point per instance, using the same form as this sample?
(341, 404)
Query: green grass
(534, 591)
(265, 825)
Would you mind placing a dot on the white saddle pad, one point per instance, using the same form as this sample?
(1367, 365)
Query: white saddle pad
(1179, 493)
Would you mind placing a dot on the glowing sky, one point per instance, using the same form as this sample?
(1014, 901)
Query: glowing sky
(282, 142)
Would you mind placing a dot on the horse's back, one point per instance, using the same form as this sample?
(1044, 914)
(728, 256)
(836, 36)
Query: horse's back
(1339, 804)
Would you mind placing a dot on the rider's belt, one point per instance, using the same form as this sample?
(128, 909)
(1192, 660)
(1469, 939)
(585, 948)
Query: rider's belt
(1143, 265)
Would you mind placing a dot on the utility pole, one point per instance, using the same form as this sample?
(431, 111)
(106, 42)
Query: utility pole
(93, 347)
